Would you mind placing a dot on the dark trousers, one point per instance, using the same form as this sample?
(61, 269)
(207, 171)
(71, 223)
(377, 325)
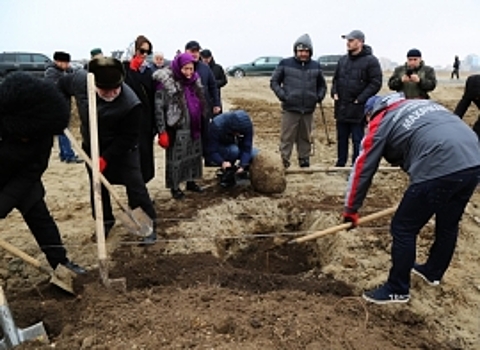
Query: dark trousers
(456, 73)
(125, 171)
(46, 233)
(344, 131)
(446, 198)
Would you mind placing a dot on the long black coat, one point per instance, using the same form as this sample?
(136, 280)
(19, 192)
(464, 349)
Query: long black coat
(142, 84)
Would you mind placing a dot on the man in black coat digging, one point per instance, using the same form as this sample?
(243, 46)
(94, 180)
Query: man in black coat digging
(32, 111)
(119, 117)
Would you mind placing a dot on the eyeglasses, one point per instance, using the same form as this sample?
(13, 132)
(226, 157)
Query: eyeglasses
(144, 52)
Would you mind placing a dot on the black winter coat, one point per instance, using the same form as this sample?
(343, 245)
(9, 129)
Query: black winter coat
(356, 79)
(143, 85)
(299, 85)
(22, 164)
(118, 121)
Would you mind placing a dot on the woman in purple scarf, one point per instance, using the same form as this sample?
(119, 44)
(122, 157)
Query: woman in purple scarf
(179, 109)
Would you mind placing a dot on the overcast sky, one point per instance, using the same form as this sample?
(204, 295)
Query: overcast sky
(241, 30)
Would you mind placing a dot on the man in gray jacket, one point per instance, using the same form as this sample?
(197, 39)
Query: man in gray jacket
(299, 84)
(441, 155)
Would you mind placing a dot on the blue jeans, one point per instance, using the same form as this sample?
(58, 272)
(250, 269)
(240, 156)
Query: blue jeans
(446, 198)
(231, 153)
(66, 151)
(344, 130)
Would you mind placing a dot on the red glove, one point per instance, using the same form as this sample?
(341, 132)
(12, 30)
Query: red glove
(163, 140)
(136, 62)
(102, 164)
(351, 217)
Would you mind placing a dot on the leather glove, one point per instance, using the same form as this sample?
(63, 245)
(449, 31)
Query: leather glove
(102, 164)
(163, 140)
(352, 218)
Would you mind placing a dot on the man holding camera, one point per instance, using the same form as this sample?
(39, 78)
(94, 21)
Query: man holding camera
(414, 78)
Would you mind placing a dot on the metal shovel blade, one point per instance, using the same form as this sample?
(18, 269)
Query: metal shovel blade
(63, 278)
(14, 336)
(137, 222)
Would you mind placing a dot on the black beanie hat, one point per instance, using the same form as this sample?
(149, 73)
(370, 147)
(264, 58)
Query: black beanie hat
(109, 72)
(31, 107)
(206, 53)
(414, 53)
(61, 56)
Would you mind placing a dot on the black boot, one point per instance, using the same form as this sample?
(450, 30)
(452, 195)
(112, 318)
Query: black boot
(150, 239)
(177, 193)
(304, 162)
(193, 187)
(74, 267)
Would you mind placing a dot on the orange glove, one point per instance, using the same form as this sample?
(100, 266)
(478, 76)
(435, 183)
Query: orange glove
(351, 217)
(103, 164)
(163, 140)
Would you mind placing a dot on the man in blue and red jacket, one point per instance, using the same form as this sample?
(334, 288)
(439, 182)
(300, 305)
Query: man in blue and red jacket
(441, 155)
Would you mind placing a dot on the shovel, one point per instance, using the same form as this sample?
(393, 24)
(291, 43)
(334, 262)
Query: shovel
(119, 284)
(135, 221)
(14, 336)
(61, 277)
(344, 226)
(329, 141)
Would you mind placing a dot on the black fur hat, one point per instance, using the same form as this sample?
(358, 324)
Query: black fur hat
(61, 56)
(109, 72)
(31, 108)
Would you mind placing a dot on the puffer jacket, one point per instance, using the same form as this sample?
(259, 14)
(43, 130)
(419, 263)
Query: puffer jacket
(427, 82)
(356, 78)
(299, 85)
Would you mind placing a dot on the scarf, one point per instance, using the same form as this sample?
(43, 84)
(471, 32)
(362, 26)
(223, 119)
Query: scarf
(194, 105)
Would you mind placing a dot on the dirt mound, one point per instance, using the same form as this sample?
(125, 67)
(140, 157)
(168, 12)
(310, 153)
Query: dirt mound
(267, 173)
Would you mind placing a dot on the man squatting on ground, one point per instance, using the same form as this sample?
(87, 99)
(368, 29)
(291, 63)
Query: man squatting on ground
(230, 142)
(441, 155)
(299, 84)
(32, 111)
(119, 113)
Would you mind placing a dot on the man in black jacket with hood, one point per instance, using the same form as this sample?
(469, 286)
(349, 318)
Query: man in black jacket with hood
(32, 111)
(358, 77)
(299, 84)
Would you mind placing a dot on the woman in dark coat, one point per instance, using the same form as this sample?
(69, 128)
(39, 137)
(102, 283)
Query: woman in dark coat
(179, 108)
(139, 78)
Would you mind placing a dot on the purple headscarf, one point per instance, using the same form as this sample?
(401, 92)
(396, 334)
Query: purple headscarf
(193, 101)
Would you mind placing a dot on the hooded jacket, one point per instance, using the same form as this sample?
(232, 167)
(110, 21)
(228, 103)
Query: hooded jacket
(231, 128)
(32, 111)
(299, 85)
(421, 136)
(218, 73)
(356, 78)
(427, 82)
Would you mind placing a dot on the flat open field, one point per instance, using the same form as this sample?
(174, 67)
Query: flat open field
(216, 280)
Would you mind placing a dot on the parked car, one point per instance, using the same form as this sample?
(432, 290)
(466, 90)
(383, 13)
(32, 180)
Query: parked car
(261, 66)
(34, 63)
(329, 64)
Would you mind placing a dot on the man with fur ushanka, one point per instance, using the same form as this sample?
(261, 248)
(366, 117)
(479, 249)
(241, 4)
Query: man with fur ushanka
(32, 111)
(299, 84)
(441, 156)
(54, 71)
(119, 113)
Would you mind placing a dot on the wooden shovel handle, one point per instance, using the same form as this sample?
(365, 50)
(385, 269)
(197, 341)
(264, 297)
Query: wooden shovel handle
(345, 226)
(24, 256)
(86, 158)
